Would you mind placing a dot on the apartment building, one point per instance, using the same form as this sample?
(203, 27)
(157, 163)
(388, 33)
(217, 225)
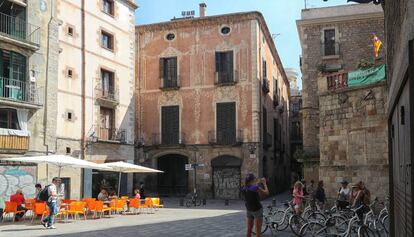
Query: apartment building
(211, 94)
(95, 106)
(344, 115)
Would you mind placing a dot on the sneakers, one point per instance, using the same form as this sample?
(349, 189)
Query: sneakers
(51, 227)
(44, 223)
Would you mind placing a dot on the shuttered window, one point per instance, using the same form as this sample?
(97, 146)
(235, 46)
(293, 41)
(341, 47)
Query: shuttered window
(224, 67)
(329, 42)
(264, 68)
(170, 128)
(168, 72)
(226, 123)
(264, 120)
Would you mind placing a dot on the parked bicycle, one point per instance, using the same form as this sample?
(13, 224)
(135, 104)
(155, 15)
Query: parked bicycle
(193, 200)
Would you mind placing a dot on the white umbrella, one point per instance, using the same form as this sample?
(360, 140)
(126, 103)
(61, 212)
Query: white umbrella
(123, 167)
(58, 160)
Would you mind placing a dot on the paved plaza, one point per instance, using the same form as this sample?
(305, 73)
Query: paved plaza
(214, 219)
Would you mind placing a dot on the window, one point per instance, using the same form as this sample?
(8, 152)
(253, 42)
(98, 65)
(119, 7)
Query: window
(107, 40)
(329, 43)
(68, 150)
(108, 7)
(224, 67)
(296, 107)
(226, 123)
(170, 125)
(264, 69)
(296, 130)
(69, 116)
(168, 72)
(107, 83)
(70, 73)
(8, 119)
(106, 131)
(70, 30)
(170, 36)
(225, 30)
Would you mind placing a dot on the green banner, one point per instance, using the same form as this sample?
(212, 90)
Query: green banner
(367, 76)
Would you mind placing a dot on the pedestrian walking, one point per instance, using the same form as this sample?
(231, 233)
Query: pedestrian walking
(142, 190)
(320, 196)
(343, 195)
(297, 197)
(50, 192)
(254, 210)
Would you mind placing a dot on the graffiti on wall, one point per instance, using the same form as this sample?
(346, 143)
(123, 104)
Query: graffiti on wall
(17, 177)
(226, 182)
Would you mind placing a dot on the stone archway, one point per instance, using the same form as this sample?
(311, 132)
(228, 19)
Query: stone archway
(226, 177)
(174, 180)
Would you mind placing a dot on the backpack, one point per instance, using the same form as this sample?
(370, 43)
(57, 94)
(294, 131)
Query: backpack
(44, 194)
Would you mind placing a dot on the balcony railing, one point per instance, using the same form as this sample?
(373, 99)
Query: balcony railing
(112, 134)
(225, 137)
(170, 84)
(337, 81)
(330, 49)
(265, 85)
(15, 143)
(19, 91)
(166, 139)
(226, 78)
(19, 29)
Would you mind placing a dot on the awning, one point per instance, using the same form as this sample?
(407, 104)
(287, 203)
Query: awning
(366, 76)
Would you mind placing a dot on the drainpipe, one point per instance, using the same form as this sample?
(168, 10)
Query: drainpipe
(83, 93)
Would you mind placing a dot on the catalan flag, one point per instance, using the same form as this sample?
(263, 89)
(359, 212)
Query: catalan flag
(377, 45)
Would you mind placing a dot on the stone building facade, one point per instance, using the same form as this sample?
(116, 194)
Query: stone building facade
(333, 39)
(96, 78)
(211, 91)
(399, 29)
(28, 69)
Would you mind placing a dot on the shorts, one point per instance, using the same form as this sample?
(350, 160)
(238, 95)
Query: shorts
(255, 214)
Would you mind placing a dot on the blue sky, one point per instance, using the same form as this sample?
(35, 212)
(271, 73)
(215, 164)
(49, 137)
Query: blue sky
(280, 16)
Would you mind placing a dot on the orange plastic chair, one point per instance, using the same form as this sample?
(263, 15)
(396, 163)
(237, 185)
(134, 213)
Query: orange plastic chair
(124, 197)
(99, 208)
(156, 203)
(11, 210)
(29, 203)
(135, 203)
(148, 205)
(77, 208)
(90, 204)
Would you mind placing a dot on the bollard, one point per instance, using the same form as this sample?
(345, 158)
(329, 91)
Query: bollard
(181, 202)
(274, 202)
(226, 202)
(204, 202)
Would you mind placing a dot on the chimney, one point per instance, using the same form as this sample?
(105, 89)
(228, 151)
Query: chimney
(203, 9)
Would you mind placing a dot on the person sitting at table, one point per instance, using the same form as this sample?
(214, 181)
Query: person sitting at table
(113, 195)
(19, 199)
(103, 195)
(38, 188)
(137, 195)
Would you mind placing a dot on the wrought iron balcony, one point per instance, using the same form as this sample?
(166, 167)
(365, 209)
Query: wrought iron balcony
(107, 96)
(226, 78)
(265, 85)
(225, 137)
(112, 134)
(170, 83)
(18, 29)
(18, 91)
(168, 139)
(14, 144)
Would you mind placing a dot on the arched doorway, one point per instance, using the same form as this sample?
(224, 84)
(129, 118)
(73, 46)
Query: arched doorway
(174, 180)
(226, 177)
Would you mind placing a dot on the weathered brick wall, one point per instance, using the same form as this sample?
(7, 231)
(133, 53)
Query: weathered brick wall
(355, 39)
(353, 138)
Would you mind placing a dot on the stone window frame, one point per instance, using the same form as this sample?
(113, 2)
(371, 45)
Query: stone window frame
(104, 30)
(337, 41)
(228, 49)
(114, 8)
(170, 32)
(66, 73)
(115, 78)
(71, 113)
(223, 26)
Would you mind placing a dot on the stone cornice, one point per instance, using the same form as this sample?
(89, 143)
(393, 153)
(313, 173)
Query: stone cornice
(220, 19)
(130, 3)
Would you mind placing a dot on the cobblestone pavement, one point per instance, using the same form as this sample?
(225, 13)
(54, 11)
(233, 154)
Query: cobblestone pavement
(215, 219)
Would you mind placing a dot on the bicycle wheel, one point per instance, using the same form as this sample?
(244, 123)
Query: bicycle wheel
(189, 203)
(312, 229)
(340, 223)
(296, 222)
(264, 226)
(198, 202)
(365, 231)
(316, 216)
(281, 219)
(385, 224)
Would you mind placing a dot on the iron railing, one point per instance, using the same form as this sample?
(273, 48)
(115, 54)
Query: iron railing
(225, 137)
(330, 49)
(167, 139)
(170, 83)
(112, 134)
(226, 78)
(19, 29)
(107, 94)
(18, 90)
(337, 81)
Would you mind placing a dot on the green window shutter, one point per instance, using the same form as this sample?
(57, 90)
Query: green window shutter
(226, 123)
(170, 123)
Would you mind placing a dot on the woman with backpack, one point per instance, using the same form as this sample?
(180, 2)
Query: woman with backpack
(362, 198)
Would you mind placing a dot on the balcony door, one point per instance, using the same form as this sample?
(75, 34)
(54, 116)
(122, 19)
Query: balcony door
(106, 124)
(107, 83)
(12, 75)
(226, 123)
(170, 125)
